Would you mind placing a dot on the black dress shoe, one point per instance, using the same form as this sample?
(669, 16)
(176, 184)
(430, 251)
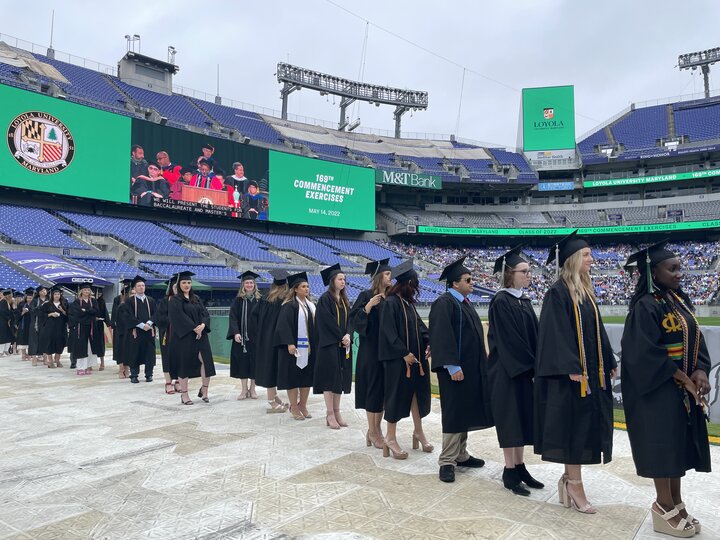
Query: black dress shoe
(148, 379)
(472, 462)
(511, 481)
(73, 365)
(134, 380)
(447, 473)
(526, 477)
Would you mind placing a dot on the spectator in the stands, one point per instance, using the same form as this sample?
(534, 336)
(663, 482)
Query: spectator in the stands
(254, 203)
(206, 178)
(138, 164)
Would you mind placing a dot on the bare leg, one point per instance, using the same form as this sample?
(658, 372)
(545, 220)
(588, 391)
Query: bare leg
(330, 419)
(243, 389)
(253, 392)
(184, 397)
(509, 455)
(293, 399)
(417, 422)
(378, 424)
(666, 489)
(57, 361)
(336, 410)
(205, 379)
(576, 491)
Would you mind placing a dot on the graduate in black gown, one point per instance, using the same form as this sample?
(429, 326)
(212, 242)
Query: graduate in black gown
(189, 341)
(137, 316)
(573, 371)
(7, 331)
(665, 367)
(369, 372)
(18, 298)
(118, 329)
(162, 324)
(404, 349)
(54, 331)
(36, 321)
(152, 188)
(262, 325)
(22, 339)
(102, 320)
(84, 341)
(512, 337)
(457, 340)
(333, 362)
(296, 345)
(242, 350)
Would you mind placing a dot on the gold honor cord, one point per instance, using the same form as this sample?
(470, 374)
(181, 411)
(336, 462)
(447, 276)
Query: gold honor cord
(678, 302)
(337, 311)
(581, 348)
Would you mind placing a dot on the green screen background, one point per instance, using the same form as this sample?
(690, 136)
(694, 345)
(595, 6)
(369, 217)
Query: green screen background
(101, 166)
(534, 101)
(289, 204)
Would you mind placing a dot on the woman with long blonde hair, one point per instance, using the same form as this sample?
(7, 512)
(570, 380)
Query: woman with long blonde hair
(242, 352)
(575, 365)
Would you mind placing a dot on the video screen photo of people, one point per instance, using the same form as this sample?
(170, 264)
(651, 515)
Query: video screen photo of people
(202, 182)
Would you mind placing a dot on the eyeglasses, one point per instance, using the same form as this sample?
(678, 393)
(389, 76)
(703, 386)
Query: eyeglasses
(526, 271)
(468, 280)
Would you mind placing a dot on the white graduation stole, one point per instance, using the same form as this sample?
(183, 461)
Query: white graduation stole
(302, 347)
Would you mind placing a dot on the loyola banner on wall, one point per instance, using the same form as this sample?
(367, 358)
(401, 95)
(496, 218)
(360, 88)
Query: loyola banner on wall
(54, 269)
(548, 118)
(402, 178)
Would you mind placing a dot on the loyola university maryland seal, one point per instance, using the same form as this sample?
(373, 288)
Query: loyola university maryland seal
(40, 142)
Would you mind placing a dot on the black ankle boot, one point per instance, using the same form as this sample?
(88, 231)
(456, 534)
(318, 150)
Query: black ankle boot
(526, 477)
(511, 480)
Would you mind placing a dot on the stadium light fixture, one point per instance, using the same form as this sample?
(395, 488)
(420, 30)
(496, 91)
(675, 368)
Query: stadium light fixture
(295, 78)
(703, 60)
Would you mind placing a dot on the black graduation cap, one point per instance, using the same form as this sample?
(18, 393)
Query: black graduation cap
(452, 272)
(136, 280)
(510, 258)
(183, 276)
(40, 287)
(248, 274)
(208, 146)
(279, 277)
(566, 247)
(154, 164)
(186, 170)
(404, 271)
(649, 256)
(30, 291)
(296, 279)
(19, 294)
(85, 285)
(253, 183)
(6, 292)
(55, 288)
(329, 273)
(218, 172)
(204, 162)
(373, 268)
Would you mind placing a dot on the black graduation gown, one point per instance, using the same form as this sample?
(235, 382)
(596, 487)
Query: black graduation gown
(333, 364)
(37, 319)
(242, 356)
(119, 331)
(402, 331)
(262, 326)
(100, 325)
(667, 430)
(81, 320)
(139, 346)
(23, 324)
(457, 338)
(568, 428)
(7, 334)
(141, 186)
(512, 337)
(369, 372)
(288, 374)
(185, 315)
(162, 324)
(54, 333)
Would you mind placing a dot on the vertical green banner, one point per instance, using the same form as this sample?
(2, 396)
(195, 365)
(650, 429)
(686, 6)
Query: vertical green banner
(548, 118)
(60, 147)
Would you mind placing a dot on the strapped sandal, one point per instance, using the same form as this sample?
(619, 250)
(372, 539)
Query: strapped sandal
(661, 522)
(586, 508)
(680, 507)
(200, 394)
(172, 388)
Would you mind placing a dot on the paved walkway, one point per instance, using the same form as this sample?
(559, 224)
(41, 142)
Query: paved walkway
(97, 457)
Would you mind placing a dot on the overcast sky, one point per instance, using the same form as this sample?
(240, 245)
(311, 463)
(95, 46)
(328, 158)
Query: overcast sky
(614, 52)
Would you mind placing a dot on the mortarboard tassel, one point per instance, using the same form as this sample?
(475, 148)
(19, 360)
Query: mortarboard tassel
(651, 288)
(557, 261)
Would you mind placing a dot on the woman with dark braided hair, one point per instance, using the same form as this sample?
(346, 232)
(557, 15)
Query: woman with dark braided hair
(665, 365)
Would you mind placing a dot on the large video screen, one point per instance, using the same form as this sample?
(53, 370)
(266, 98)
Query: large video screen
(55, 146)
(182, 170)
(548, 118)
(314, 192)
